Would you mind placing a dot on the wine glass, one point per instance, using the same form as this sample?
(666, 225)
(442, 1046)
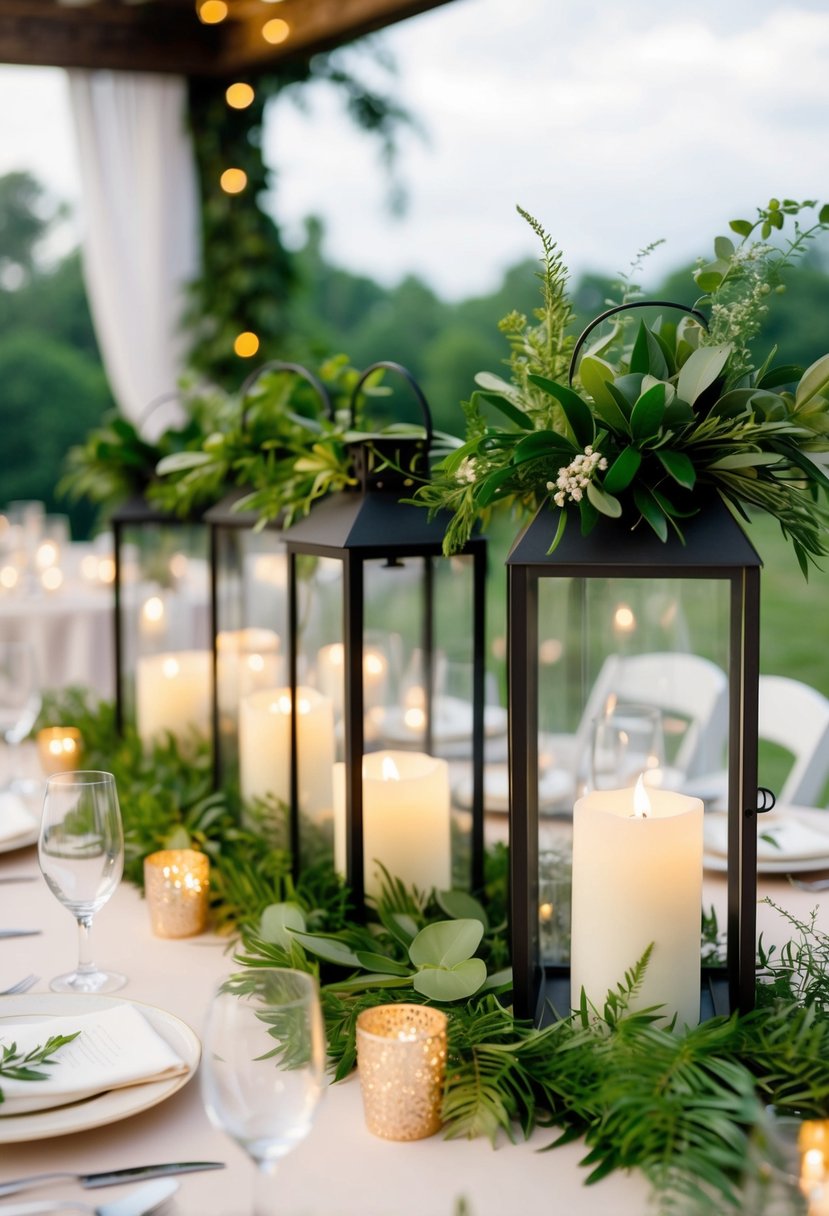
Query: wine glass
(626, 741)
(264, 1064)
(81, 855)
(19, 699)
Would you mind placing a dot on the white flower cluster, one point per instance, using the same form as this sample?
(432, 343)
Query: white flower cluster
(467, 470)
(574, 478)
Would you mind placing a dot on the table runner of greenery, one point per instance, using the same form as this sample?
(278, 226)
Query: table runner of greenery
(689, 1109)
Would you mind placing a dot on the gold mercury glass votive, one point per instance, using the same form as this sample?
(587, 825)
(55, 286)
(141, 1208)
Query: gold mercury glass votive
(59, 749)
(401, 1060)
(176, 886)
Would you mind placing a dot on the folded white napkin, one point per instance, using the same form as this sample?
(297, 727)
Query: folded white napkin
(15, 820)
(781, 836)
(116, 1047)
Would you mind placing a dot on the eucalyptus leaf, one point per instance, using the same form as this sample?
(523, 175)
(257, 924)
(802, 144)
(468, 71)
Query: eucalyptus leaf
(381, 963)
(446, 942)
(455, 983)
(508, 409)
(700, 370)
(277, 922)
(651, 511)
(493, 484)
(461, 905)
(622, 471)
(814, 381)
(679, 466)
(328, 948)
(606, 504)
(648, 412)
(745, 460)
(627, 390)
(577, 412)
(594, 374)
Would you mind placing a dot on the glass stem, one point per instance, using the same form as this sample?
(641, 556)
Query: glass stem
(85, 963)
(263, 1189)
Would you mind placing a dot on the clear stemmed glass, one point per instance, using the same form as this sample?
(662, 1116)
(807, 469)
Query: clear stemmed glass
(626, 741)
(20, 698)
(81, 855)
(263, 1070)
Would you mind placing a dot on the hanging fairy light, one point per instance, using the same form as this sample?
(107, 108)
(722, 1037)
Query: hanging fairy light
(211, 12)
(276, 31)
(233, 181)
(239, 95)
(246, 344)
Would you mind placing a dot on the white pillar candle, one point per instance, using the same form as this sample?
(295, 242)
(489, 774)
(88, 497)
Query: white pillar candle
(172, 693)
(265, 748)
(246, 660)
(406, 822)
(637, 880)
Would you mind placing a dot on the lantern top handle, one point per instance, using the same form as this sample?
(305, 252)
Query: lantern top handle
(279, 365)
(610, 312)
(390, 365)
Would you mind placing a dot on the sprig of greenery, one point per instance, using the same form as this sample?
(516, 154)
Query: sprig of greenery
(28, 1066)
(652, 428)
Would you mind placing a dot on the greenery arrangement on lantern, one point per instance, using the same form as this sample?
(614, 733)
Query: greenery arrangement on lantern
(646, 426)
(281, 445)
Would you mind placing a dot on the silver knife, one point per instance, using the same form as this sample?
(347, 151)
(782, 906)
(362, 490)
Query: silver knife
(20, 932)
(19, 878)
(110, 1177)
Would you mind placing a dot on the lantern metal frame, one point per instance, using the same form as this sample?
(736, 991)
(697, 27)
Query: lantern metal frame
(223, 517)
(715, 548)
(367, 524)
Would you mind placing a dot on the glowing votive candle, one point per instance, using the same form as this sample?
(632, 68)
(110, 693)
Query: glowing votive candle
(637, 880)
(59, 749)
(406, 819)
(176, 885)
(401, 1062)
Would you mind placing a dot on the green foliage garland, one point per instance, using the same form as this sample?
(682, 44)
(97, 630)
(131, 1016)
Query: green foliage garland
(687, 1109)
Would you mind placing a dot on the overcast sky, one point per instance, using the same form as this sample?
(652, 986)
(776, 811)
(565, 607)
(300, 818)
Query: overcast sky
(614, 124)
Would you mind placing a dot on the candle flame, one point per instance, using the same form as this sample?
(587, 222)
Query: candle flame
(641, 801)
(389, 770)
(170, 668)
(373, 663)
(610, 704)
(153, 609)
(414, 718)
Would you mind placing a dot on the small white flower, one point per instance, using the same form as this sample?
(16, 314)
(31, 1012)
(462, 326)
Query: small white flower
(574, 478)
(467, 470)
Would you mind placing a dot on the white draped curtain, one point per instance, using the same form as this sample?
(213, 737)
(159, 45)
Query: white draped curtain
(141, 235)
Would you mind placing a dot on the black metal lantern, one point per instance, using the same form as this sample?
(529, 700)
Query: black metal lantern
(248, 598)
(162, 641)
(613, 621)
(386, 642)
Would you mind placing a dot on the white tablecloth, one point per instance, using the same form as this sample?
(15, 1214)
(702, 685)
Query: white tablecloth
(341, 1169)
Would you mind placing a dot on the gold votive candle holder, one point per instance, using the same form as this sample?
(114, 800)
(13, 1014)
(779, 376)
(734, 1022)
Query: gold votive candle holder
(401, 1061)
(176, 886)
(59, 749)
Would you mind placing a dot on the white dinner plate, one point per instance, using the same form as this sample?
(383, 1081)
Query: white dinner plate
(103, 1108)
(21, 841)
(815, 820)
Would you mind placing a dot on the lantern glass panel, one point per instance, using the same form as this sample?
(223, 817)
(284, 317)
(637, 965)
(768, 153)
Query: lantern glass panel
(632, 679)
(166, 655)
(251, 611)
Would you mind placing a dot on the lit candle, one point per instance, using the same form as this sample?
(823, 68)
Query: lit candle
(59, 749)
(176, 886)
(152, 622)
(406, 823)
(637, 880)
(265, 747)
(172, 693)
(247, 659)
(331, 675)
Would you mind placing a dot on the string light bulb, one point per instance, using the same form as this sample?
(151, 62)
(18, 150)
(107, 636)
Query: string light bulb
(233, 181)
(239, 95)
(246, 344)
(276, 31)
(211, 12)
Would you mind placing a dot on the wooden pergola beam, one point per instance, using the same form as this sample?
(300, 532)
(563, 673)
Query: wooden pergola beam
(166, 35)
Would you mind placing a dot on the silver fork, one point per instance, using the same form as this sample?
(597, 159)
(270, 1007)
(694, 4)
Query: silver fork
(23, 985)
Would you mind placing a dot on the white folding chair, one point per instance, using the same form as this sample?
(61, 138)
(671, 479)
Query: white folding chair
(795, 716)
